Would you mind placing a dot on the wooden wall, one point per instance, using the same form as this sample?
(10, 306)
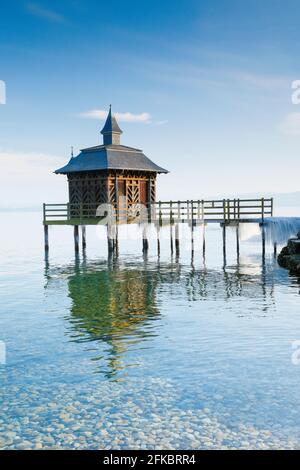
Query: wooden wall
(99, 187)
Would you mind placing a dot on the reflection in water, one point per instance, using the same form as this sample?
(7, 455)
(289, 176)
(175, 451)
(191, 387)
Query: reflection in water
(112, 306)
(116, 304)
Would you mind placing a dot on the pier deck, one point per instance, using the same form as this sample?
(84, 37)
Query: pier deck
(225, 212)
(221, 211)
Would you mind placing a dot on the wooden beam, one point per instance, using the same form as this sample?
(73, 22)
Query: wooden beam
(83, 234)
(145, 239)
(177, 239)
(76, 238)
(158, 239)
(224, 242)
(238, 240)
(46, 238)
(263, 239)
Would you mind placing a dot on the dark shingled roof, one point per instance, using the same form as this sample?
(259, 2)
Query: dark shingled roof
(110, 157)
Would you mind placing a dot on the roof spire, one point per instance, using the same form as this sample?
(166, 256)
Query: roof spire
(111, 131)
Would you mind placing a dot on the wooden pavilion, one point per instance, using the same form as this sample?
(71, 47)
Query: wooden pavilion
(110, 173)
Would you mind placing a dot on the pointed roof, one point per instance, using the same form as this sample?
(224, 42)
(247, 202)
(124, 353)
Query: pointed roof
(111, 125)
(111, 155)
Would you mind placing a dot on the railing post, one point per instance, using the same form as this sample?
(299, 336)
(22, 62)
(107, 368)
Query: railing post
(192, 226)
(272, 206)
(224, 210)
(44, 212)
(159, 213)
(262, 208)
(238, 210)
(68, 211)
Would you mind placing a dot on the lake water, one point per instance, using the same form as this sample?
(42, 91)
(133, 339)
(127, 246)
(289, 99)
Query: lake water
(140, 352)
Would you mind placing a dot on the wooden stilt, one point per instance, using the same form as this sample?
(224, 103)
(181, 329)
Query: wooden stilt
(192, 237)
(275, 249)
(158, 239)
(177, 239)
(224, 242)
(238, 241)
(116, 239)
(145, 239)
(83, 234)
(171, 238)
(46, 237)
(110, 240)
(76, 238)
(263, 239)
(203, 239)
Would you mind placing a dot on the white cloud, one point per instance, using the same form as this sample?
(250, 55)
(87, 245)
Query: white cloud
(122, 117)
(27, 179)
(291, 124)
(50, 15)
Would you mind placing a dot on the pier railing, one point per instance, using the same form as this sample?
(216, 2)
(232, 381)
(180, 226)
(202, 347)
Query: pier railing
(161, 212)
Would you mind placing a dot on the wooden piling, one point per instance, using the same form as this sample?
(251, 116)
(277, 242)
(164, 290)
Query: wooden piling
(171, 239)
(110, 240)
(46, 237)
(83, 234)
(237, 240)
(263, 239)
(116, 240)
(177, 239)
(145, 239)
(275, 249)
(158, 239)
(203, 239)
(76, 238)
(192, 237)
(224, 242)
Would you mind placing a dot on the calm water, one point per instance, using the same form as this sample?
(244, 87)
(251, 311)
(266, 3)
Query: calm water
(144, 352)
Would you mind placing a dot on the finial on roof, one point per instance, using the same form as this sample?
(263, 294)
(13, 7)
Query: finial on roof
(111, 131)
(72, 151)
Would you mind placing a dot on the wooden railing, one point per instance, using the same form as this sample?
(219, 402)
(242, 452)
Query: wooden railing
(162, 212)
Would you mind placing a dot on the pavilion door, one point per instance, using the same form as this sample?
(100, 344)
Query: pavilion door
(122, 203)
(143, 192)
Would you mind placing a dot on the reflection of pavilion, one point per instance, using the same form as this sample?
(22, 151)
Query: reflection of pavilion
(116, 305)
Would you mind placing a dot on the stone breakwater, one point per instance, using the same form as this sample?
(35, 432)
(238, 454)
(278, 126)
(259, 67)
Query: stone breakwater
(289, 256)
(93, 417)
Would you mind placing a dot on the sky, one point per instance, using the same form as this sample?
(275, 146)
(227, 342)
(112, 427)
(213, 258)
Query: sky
(204, 87)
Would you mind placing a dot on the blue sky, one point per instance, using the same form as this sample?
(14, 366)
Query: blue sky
(203, 87)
